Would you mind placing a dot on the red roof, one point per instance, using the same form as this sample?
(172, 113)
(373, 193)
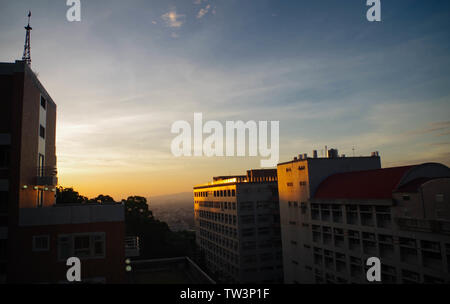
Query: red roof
(372, 184)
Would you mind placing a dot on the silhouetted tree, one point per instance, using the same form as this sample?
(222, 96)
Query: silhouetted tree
(102, 199)
(69, 196)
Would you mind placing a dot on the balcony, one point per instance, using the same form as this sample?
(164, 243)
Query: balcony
(132, 246)
(46, 176)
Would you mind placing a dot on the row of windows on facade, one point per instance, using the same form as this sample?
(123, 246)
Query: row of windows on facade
(244, 206)
(300, 168)
(262, 258)
(263, 269)
(79, 245)
(217, 205)
(218, 217)
(217, 193)
(433, 253)
(218, 265)
(302, 184)
(260, 219)
(223, 237)
(267, 231)
(354, 214)
(339, 262)
(219, 251)
(264, 179)
(261, 244)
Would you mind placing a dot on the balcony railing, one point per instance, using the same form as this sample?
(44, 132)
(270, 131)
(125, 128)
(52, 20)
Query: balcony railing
(46, 176)
(132, 246)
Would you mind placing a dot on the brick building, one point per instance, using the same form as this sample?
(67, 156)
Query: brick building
(35, 234)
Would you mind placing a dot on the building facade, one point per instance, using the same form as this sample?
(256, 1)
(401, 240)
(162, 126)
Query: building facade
(238, 229)
(332, 225)
(32, 228)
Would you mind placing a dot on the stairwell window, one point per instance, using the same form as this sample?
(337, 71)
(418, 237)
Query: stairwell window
(43, 102)
(40, 198)
(42, 131)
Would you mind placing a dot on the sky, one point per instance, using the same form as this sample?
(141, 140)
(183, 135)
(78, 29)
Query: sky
(130, 69)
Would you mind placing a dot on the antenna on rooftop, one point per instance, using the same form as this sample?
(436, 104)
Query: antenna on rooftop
(27, 48)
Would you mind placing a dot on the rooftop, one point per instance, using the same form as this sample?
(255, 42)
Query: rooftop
(168, 271)
(378, 184)
(253, 176)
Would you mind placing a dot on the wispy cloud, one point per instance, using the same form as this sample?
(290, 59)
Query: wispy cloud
(172, 19)
(203, 11)
(433, 127)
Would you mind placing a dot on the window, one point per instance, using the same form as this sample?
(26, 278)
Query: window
(439, 198)
(43, 102)
(99, 245)
(406, 197)
(40, 198)
(41, 165)
(41, 243)
(4, 157)
(64, 247)
(81, 246)
(233, 192)
(42, 131)
(290, 184)
(3, 250)
(3, 201)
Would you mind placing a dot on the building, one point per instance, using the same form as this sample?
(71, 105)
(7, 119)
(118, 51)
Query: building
(35, 235)
(238, 229)
(334, 220)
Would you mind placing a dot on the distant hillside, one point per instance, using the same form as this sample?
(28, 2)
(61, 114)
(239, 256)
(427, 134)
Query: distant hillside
(177, 210)
(172, 199)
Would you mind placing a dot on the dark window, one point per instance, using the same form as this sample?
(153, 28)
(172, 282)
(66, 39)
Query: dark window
(4, 157)
(3, 202)
(82, 246)
(41, 243)
(41, 165)
(99, 245)
(43, 102)
(64, 247)
(42, 132)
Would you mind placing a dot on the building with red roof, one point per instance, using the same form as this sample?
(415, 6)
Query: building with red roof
(337, 212)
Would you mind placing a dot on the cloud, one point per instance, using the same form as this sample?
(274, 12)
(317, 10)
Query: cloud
(172, 19)
(198, 2)
(434, 127)
(203, 11)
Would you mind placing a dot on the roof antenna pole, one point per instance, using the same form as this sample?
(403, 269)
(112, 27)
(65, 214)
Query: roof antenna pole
(27, 48)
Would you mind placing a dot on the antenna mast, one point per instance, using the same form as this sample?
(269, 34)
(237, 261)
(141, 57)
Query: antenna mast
(27, 48)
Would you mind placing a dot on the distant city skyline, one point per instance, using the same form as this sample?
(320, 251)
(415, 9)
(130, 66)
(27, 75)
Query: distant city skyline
(128, 70)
